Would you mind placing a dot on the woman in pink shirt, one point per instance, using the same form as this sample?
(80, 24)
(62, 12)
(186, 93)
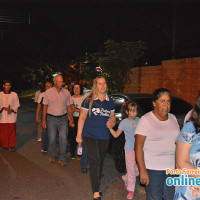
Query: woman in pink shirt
(155, 138)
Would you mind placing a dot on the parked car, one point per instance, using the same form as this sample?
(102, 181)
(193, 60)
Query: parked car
(86, 90)
(179, 108)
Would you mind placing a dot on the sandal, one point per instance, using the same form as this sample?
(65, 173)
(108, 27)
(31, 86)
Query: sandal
(12, 149)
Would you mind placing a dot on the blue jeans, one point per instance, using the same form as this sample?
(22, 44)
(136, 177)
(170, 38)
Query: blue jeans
(84, 159)
(45, 139)
(59, 124)
(157, 188)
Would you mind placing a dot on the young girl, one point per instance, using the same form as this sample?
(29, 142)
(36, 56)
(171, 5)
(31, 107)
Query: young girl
(128, 125)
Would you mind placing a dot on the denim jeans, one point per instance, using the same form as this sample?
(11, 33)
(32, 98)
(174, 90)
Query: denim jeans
(59, 124)
(45, 139)
(96, 152)
(157, 188)
(84, 159)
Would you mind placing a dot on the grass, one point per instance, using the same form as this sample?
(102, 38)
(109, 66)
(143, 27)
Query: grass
(27, 93)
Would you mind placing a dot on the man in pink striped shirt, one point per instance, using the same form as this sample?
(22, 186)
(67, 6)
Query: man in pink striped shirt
(56, 112)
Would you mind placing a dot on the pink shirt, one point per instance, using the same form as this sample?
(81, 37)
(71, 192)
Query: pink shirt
(159, 146)
(57, 101)
(188, 116)
(37, 94)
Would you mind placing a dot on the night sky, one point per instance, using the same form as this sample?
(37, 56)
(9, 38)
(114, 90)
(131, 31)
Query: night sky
(66, 29)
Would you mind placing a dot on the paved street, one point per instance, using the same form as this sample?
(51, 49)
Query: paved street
(27, 175)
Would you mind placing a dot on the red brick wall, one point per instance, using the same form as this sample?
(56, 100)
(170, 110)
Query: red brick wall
(181, 77)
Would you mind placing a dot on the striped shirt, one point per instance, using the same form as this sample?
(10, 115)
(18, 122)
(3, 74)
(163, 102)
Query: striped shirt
(57, 102)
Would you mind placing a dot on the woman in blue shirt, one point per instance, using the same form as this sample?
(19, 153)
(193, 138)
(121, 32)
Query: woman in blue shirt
(188, 156)
(97, 110)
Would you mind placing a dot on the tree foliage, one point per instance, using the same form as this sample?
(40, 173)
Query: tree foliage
(117, 60)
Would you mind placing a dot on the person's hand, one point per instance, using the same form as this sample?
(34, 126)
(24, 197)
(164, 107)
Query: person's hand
(110, 123)
(78, 139)
(44, 124)
(6, 108)
(9, 111)
(144, 177)
(71, 124)
(37, 120)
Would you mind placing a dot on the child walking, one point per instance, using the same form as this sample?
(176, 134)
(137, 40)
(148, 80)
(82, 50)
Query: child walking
(128, 125)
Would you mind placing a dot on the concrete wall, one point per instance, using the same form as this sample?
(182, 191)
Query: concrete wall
(181, 77)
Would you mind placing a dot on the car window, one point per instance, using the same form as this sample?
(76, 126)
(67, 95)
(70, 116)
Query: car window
(179, 106)
(119, 102)
(144, 104)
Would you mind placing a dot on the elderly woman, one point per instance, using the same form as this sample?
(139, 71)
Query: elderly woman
(97, 112)
(155, 138)
(187, 153)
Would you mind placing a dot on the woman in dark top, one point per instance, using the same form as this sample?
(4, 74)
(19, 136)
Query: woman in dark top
(97, 110)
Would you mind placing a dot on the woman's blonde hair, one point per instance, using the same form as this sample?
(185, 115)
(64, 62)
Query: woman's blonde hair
(93, 92)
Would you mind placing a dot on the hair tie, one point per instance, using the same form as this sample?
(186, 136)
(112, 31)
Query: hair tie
(125, 103)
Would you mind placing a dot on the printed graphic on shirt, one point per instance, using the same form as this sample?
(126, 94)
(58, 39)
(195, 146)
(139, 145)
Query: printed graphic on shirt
(101, 112)
(133, 125)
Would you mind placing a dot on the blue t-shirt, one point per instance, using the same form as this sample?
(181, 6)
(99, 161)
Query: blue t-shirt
(189, 136)
(129, 126)
(95, 124)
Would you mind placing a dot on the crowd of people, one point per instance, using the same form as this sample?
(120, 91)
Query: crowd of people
(83, 119)
(153, 143)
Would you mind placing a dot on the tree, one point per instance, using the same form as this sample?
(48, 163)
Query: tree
(117, 60)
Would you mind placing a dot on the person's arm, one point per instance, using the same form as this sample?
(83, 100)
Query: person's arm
(81, 121)
(183, 156)
(74, 109)
(70, 116)
(38, 113)
(111, 121)
(139, 154)
(44, 121)
(115, 133)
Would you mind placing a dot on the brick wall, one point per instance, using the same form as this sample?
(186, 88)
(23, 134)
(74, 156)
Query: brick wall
(181, 77)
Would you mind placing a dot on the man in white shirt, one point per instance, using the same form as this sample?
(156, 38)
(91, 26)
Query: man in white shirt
(9, 103)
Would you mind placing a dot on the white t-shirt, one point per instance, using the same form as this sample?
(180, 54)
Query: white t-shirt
(40, 97)
(159, 146)
(77, 104)
(9, 100)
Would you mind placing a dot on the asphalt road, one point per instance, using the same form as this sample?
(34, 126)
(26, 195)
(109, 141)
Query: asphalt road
(27, 175)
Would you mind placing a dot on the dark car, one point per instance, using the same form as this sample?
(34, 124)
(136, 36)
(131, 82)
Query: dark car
(179, 108)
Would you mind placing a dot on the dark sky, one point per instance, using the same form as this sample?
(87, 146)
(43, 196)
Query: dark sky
(69, 29)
